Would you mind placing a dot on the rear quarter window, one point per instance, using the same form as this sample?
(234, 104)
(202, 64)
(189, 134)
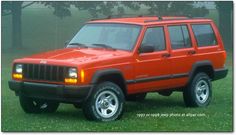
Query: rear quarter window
(204, 35)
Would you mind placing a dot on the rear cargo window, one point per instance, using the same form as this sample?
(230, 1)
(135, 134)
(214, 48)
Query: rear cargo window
(204, 34)
(179, 37)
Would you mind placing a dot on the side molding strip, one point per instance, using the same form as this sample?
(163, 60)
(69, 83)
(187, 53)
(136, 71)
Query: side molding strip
(156, 78)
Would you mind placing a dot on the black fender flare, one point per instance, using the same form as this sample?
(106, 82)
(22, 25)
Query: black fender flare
(196, 65)
(103, 72)
(98, 74)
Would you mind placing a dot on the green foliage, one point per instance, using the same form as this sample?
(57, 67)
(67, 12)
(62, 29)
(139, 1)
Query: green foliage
(96, 8)
(6, 7)
(61, 9)
(45, 31)
(225, 9)
(161, 8)
(154, 8)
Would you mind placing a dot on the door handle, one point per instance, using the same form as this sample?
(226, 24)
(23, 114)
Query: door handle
(166, 55)
(191, 52)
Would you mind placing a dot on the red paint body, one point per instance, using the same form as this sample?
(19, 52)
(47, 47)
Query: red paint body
(134, 65)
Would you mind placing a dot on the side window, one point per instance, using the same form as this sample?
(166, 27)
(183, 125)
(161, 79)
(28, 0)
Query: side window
(204, 34)
(155, 37)
(179, 37)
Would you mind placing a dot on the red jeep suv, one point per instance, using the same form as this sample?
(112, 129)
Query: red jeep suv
(113, 60)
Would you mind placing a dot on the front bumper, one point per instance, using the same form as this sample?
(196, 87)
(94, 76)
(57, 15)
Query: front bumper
(61, 93)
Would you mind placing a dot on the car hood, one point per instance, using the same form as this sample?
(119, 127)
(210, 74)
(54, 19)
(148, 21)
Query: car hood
(75, 55)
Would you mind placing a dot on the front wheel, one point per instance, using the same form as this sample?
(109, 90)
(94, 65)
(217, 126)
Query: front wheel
(199, 92)
(105, 103)
(31, 105)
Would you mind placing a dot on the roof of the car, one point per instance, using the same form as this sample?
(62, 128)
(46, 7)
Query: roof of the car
(149, 20)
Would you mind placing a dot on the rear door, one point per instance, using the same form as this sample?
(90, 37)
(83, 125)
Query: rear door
(182, 53)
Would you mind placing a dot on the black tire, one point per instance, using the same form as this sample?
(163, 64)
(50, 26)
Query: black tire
(136, 97)
(198, 92)
(78, 106)
(104, 96)
(32, 105)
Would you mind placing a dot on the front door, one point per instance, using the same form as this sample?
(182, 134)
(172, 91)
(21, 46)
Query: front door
(152, 69)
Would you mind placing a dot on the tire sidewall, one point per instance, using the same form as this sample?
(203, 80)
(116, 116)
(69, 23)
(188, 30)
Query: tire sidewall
(112, 88)
(28, 106)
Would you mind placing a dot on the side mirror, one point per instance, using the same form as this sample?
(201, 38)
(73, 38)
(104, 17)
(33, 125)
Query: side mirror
(146, 49)
(66, 42)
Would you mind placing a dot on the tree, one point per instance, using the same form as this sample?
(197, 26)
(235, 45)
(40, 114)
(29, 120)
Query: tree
(225, 10)
(14, 8)
(62, 9)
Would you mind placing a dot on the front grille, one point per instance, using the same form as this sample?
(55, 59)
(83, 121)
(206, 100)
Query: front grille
(44, 72)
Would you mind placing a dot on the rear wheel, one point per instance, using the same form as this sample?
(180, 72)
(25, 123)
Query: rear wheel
(136, 97)
(199, 92)
(105, 103)
(31, 105)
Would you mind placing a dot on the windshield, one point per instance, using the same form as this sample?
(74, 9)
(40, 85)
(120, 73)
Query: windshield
(116, 36)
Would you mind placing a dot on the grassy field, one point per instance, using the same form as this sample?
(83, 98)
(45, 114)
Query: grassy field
(41, 29)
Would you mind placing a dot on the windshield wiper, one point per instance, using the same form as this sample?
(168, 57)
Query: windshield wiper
(79, 44)
(104, 46)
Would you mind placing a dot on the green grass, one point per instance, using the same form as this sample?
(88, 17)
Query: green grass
(42, 31)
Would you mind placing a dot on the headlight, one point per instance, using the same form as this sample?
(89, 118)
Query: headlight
(72, 76)
(72, 73)
(17, 73)
(19, 68)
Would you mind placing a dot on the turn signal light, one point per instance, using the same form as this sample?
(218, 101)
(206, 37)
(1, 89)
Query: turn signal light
(70, 80)
(17, 76)
(82, 75)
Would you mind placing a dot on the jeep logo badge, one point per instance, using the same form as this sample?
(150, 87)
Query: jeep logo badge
(43, 61)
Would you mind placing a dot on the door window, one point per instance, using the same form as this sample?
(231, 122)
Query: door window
(155, 37)
(179, 37)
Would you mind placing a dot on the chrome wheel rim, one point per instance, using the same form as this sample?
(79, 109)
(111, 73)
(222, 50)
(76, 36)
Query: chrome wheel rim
(106, 104)
(202, 91)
